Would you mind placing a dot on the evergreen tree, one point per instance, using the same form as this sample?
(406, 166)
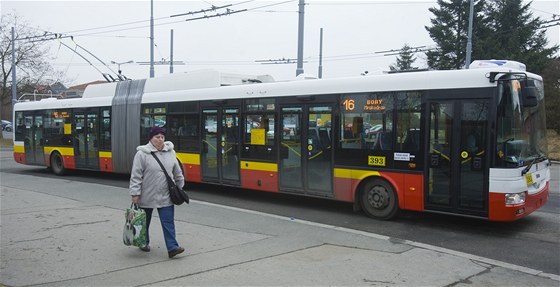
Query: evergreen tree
(516, 35)
(551, 77)
(449, 30)
(502, 29)
(405, 59)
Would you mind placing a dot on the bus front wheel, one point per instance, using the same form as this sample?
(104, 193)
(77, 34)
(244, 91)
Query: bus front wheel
(379, 199)
(57, 164)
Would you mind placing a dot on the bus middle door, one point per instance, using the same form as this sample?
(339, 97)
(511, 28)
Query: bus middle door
(86, 152)
(220, 146)
(306, 162)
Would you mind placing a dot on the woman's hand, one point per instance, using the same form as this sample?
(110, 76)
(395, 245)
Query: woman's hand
(135, 199)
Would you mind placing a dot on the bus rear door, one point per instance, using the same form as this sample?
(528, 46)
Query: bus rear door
(33, 142)
(457, 177)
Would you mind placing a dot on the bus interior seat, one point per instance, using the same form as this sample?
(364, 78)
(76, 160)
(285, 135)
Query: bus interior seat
(324, 137)
(412, 140)
(384, 141)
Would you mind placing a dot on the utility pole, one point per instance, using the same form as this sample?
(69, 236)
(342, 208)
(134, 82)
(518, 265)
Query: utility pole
(299, 69)
(151, 38)
(14, 82)
(171, 54)
(321, 55)
(469, 39)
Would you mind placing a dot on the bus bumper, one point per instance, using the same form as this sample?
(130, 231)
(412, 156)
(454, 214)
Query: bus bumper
(499, 211)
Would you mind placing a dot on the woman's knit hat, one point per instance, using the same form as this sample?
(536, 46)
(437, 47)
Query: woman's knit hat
(156, 130)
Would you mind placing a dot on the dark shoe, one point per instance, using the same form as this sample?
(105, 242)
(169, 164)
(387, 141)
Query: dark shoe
(145, 248)
(175, 252)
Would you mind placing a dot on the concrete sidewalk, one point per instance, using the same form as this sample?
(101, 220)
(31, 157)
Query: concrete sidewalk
(59, 232)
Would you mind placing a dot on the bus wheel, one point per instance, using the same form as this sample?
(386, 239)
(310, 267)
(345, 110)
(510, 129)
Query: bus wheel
(57, 164)
(379, 200)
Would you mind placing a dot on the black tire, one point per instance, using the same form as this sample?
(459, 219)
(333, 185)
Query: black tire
(57, 164)
(379, 199)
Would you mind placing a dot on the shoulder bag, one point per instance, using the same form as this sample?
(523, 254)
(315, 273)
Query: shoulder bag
(177, 195)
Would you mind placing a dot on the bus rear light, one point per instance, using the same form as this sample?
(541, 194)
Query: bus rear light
(515, 198)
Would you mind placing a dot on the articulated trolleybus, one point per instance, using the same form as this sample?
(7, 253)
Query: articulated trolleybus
(465, 142)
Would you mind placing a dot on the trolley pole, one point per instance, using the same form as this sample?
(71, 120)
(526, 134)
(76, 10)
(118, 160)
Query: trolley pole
(299, 69)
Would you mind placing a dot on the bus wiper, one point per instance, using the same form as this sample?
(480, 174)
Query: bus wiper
(540, 158)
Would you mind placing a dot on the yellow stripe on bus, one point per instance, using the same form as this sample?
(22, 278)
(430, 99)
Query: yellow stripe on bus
(189, 158)
(64, 151)
(19, 149)
(105, 154)
(262, 166)
(354, 173)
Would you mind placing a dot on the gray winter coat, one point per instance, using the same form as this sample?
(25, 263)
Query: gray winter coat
(147, 178)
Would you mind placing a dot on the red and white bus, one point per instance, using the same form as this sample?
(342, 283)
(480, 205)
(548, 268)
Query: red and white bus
(465, 142)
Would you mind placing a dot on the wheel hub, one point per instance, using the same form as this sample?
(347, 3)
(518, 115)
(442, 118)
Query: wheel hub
(378, 197)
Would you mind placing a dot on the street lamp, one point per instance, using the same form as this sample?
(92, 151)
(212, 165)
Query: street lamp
(122, 63)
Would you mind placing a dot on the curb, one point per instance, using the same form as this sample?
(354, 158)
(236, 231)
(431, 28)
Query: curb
(486, 260)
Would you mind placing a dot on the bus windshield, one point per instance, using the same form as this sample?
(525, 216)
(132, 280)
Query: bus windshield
(521, 130)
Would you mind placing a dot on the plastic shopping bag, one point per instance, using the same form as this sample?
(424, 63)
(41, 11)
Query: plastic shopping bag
(134, 232)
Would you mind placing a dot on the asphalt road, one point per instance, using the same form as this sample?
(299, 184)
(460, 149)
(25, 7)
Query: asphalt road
(533, 242)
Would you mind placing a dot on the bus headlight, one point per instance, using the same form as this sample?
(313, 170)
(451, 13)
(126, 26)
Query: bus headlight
(515, 198)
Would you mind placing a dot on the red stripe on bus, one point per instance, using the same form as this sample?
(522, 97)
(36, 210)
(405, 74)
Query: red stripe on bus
(499, 211)
(259, 180)
(69, 161)
(192, 172)
(409, 189)
(106, 164)
(344, 188)
(19, 157)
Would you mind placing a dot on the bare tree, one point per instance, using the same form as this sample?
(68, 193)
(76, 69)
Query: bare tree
(32, 62)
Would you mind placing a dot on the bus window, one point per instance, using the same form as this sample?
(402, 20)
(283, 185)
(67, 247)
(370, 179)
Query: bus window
(367, 121)
(105, 136)
(408, 121)
(55, 122)
(182, 130)
(259, 129)
(19, 125)
(152, 115)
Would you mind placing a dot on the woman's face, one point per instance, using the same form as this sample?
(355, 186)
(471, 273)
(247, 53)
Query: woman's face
(157, 141)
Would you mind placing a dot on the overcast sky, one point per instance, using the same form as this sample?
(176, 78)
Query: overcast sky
(354, 32)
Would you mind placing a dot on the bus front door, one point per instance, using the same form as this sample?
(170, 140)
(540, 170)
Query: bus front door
(456, 179)
(220, 152)
(306, 161)
(33, 143)
(86, 154)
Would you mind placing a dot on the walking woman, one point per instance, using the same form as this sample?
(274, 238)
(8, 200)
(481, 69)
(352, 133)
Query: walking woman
(148, 186)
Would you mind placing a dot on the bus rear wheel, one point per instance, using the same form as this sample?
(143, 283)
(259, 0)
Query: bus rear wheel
(379, 199)
(57, 164)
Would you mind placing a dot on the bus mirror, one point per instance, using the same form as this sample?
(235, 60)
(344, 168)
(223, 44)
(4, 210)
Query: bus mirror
(529, 93)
